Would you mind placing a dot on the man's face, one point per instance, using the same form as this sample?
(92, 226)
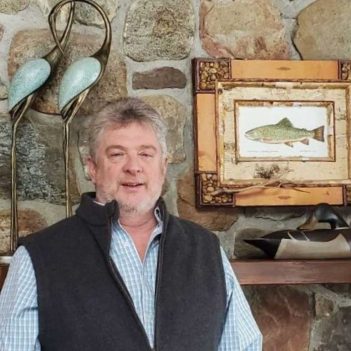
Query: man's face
(128, 167)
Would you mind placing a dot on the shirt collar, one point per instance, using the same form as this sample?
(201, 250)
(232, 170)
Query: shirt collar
(157, 211)
(157, 231)
(159, 226)
(158, 216)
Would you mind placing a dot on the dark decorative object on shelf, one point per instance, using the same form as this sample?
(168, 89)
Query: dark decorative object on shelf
(308, 241)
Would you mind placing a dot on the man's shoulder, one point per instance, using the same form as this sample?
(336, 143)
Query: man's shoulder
(60, 228)
(191, 228)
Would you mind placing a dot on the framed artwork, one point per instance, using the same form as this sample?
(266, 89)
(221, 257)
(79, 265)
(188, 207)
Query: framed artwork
(272, 132)
(285, 125)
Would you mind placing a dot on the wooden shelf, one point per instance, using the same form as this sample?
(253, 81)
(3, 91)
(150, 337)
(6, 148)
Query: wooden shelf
(256, 272)
(259, 272)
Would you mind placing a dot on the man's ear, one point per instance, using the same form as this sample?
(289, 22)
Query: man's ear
(91, 167)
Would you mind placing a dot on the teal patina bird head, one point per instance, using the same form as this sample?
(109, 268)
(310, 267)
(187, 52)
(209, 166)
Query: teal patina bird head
(35, 73)
(83, 74)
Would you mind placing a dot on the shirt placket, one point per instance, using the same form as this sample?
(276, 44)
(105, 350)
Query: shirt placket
(148, 289)
(138, 276)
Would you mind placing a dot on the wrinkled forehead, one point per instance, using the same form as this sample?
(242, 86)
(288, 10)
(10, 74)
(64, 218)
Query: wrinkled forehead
(138, 131)
(112, 126)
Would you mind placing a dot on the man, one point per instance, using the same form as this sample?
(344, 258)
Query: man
(124, 274)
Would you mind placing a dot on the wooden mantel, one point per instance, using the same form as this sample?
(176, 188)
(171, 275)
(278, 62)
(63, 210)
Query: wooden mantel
(259, 272)
(256, 272)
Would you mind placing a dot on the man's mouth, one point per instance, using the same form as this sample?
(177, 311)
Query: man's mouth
(132, 185)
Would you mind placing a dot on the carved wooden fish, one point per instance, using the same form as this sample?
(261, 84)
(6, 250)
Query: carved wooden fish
(284, 132)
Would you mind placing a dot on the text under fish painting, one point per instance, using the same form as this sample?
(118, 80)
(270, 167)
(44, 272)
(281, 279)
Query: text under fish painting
(284, 132)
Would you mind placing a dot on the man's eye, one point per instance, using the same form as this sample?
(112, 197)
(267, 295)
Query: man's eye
(117, 154)
(146, 155)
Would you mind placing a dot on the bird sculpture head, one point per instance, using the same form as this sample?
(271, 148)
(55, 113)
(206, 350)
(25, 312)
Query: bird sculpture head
(83, 74)
(34, 74)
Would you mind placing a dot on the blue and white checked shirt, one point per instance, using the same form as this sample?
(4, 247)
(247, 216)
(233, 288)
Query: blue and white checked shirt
(19, 309)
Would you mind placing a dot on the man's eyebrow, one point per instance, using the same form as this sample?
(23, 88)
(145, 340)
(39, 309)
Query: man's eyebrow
(140, 147)
(143, 147)
(113, 147)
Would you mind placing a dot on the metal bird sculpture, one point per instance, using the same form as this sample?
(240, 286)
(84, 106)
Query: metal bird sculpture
(309, 240)
(77, 81)
(24, 86)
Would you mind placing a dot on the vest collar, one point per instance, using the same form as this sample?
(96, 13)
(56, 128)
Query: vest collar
(94, 213)
(99, 215)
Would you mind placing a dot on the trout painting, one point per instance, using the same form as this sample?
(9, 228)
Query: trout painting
(284, 132)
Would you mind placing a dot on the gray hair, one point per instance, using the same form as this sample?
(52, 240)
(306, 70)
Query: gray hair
(121, 113)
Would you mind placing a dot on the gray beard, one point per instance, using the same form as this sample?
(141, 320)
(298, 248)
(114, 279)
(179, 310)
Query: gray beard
(139, 209)
(128, 209)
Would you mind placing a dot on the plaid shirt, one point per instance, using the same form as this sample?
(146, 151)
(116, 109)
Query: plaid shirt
(19, 308)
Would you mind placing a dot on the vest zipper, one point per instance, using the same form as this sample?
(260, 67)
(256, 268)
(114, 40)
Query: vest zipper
(125, 292)
(158, 278)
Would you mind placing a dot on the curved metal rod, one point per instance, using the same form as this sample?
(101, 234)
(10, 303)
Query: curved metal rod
(14, 211)
(66, 137)
(71, 108)
(55, 55)
(103, 53)
(17, 113)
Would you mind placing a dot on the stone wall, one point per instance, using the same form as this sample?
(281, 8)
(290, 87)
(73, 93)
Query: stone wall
(153, 44)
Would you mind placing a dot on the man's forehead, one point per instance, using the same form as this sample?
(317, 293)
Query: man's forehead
(135, 135)
(145, 128)
(128, 124)
(124, 147)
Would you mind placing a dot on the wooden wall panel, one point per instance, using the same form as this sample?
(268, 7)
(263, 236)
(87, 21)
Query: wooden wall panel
(206, 132)
(279, 69)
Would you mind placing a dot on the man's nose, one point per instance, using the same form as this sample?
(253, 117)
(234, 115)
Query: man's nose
(132, 165)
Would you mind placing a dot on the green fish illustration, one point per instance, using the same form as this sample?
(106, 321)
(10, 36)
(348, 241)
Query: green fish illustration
(284, 133)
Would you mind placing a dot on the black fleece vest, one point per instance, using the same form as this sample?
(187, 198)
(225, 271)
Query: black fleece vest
(85, 306)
